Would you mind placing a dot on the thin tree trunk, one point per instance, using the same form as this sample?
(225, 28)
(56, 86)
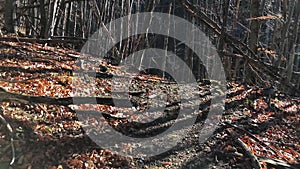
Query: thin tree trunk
(56, 7)
(66, 19)
(255, 25)
(283, 48)
(222, 39)
(293, 44)
(8, 16)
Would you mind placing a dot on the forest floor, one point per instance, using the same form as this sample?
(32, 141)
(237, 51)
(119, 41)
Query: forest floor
(256, 130)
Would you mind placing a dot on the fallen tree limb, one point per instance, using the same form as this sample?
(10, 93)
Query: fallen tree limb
(42, 41)
(252, 136)
(278, 163)
(253, 158)
(24, 70)
(8, 96)
(11, 133)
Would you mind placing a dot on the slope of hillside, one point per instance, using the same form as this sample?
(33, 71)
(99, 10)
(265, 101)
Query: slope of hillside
(258, 129)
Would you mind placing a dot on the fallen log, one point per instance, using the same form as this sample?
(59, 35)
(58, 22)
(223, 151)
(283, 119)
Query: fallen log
(43, 41)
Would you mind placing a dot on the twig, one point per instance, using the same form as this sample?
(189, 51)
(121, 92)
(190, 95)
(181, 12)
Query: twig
(277, 163)
(11, 137)
(252, 136)
(253, 158)
(42, 41)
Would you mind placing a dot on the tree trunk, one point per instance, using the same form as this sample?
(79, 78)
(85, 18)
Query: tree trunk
(255, 26)
(9, 16)
(293, 44)
(222, 40)
(283, 47)
(43, 22)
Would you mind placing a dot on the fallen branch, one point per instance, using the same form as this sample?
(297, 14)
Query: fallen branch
(278, 163)
(252, 136)
(42, 41)
(9, 128)
(253, 158)
(8, 96)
